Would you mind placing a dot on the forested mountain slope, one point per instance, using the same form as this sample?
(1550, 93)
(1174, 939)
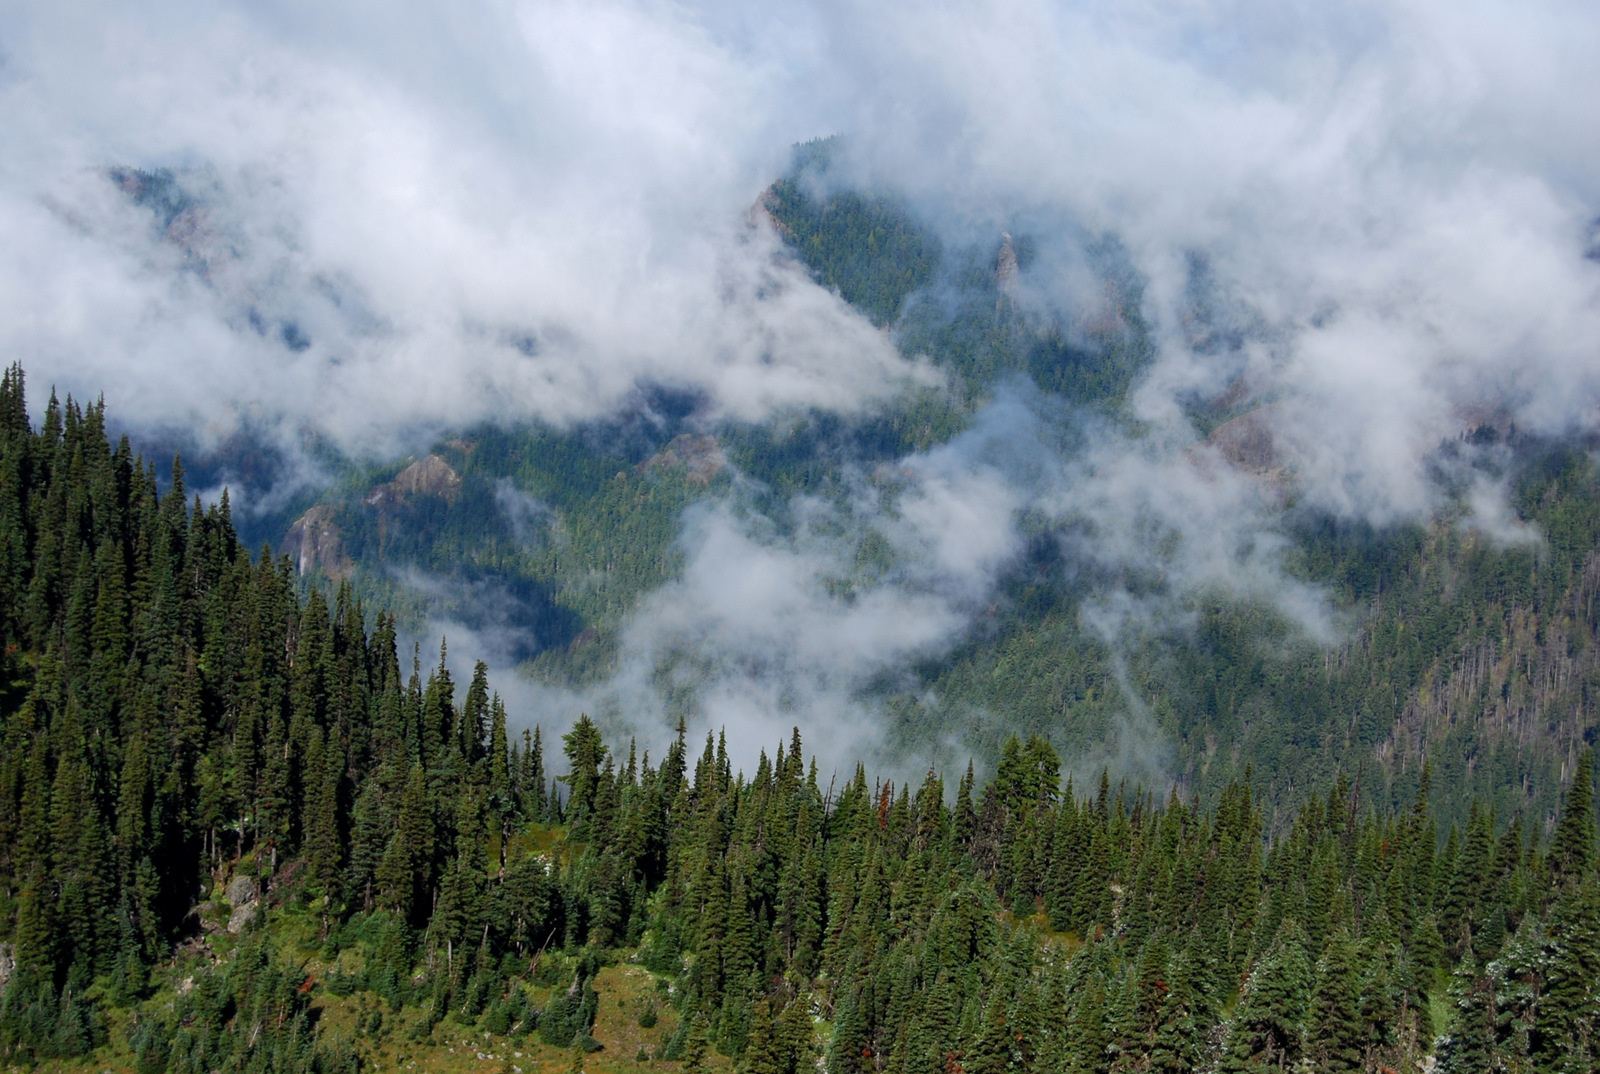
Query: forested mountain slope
(1483, 659)
(1477, 651)
(240, 832)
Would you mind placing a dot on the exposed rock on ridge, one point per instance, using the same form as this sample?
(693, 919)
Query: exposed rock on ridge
(431, 476)
(699, 454)
(315, 542)
(1006, 270)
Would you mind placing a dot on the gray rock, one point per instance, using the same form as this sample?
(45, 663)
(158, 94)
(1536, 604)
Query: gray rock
(241, 917)
(242, 891)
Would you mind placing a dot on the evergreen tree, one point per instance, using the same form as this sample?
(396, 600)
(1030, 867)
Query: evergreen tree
(184, 725)
(1572, 847)
(1567, 1035)
(1267, 1025)
(1335, 1037)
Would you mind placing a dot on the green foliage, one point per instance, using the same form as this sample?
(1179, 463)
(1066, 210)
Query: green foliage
(181, 727)
(866, 247)
(1450, 642)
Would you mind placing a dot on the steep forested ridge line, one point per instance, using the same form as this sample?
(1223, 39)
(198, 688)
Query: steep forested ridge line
(1481, 658)
(234, 834)
(1480, 655)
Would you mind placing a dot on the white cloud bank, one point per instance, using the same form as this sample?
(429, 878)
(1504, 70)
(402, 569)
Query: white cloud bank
(519, 211)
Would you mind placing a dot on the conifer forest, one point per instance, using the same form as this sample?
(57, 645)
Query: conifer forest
(242, 827)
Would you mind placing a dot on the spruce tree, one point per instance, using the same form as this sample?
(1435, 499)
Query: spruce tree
(1572, 847)
(1268, 1022)
(1568, 1026)
(1334, 1028)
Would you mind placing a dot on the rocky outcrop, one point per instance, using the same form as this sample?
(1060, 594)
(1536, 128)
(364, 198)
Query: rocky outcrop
(316, 543)
(243, 894)
(1486, 422)
(431, 476)
(761, 214)
(185, 221)
(700, 455)
(1006, 270)
(1106, 319)
(1247, 444)
(242, 889)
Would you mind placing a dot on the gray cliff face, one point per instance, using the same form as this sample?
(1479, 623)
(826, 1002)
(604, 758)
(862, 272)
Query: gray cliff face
(1006, 270)
(316, 543)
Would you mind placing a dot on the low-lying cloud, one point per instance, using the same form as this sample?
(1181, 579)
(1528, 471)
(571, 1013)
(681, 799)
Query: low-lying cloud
(768, 629)
(217, 215)
(1399, 196)
(774, 625)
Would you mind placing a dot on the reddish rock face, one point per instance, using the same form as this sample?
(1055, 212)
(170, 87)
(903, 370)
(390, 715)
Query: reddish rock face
(699, 455)
(1247, 444)
(431, 476)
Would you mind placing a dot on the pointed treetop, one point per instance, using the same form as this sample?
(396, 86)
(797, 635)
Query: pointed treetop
(1572, 847)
